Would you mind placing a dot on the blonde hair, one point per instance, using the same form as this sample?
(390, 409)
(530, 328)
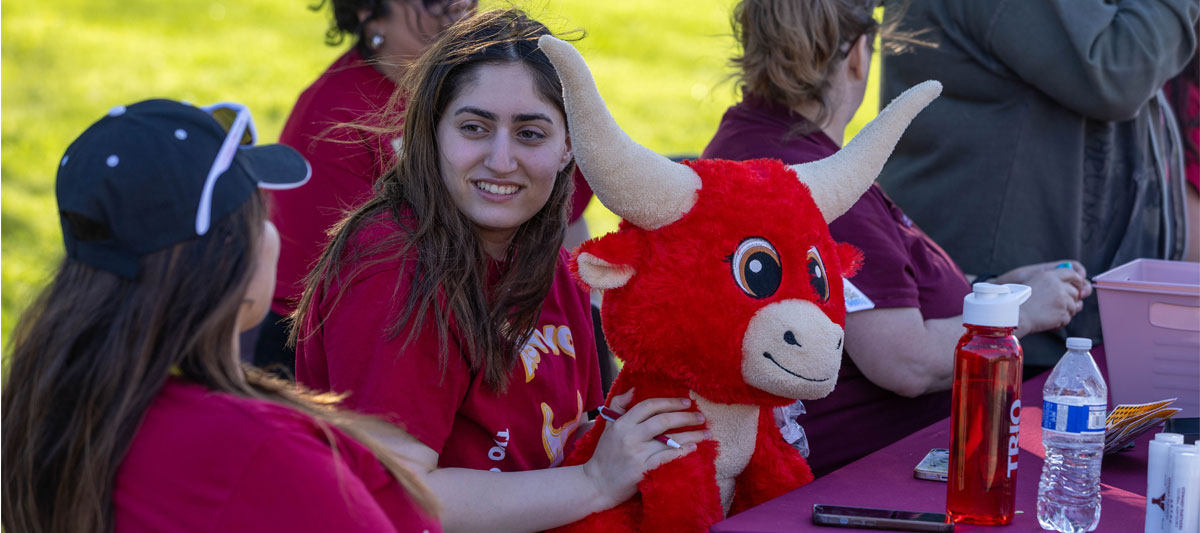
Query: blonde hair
(790, 49)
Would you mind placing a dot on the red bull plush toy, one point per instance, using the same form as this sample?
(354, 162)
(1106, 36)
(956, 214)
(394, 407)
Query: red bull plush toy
(722, 284)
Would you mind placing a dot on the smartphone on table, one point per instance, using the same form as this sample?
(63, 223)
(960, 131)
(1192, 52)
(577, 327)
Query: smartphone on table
(870, 518)
(934, 466)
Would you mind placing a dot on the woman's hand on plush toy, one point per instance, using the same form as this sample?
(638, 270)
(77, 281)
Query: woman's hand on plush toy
(627, 449)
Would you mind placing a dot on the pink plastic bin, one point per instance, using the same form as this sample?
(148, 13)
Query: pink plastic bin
(1150, 313)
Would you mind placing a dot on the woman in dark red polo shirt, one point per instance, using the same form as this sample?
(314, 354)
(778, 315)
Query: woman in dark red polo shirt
(346, 161)
(803, 70)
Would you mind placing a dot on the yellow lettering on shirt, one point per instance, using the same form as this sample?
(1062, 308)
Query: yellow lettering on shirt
(550, 339)
(566, 340)
(530, 359)
(554, 439)
(537, 341)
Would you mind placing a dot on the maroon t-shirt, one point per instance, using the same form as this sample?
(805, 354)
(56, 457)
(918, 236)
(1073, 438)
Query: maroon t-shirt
(902, 268)
(581, 197)
(208, 461)
(345, 164)
(552, 386)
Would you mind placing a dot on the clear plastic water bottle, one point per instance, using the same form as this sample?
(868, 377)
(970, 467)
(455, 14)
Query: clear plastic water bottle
(1074, 408)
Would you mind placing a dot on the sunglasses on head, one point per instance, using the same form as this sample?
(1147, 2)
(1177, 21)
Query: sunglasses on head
(239, 129)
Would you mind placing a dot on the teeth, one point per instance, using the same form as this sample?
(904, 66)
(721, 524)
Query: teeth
(496, 189)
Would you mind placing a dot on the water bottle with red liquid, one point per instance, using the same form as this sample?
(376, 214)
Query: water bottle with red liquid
(986, 408)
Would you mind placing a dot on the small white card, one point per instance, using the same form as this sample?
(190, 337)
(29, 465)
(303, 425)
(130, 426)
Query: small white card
(855, 299)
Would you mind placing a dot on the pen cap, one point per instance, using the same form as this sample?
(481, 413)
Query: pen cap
(994, 305)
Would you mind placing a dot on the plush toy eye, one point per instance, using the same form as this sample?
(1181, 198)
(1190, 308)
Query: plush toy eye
(816, 274)
(756, 268)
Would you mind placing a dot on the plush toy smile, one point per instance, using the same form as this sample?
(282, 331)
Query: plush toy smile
(768, 356)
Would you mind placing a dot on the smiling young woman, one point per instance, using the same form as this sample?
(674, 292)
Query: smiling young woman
(445, 304)
(502, 147)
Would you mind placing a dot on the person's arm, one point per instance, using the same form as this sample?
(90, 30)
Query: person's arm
(479, 500)
(899, 350)
(1101, 59)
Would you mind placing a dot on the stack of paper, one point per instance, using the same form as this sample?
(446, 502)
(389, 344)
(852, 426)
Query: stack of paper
(1126, 422)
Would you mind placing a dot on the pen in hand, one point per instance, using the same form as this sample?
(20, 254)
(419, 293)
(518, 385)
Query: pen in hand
(612, 416)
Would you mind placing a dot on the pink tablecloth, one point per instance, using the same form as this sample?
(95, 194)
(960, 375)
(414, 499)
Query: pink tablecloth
(884, 479)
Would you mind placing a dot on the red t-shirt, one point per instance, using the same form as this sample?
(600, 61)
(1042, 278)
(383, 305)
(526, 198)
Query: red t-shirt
(345, 164)
(208, 461)
(902, 267)
(553, 385)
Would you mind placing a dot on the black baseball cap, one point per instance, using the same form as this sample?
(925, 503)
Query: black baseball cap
(160, 172)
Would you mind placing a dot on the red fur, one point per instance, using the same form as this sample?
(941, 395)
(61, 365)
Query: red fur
(852, 259)
(679, 323)
(623, 248)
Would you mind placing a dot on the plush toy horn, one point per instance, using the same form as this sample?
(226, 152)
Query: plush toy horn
(636, 183)
(837, 181)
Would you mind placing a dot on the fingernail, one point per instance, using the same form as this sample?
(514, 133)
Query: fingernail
(700, 417)
(686, 402)
(707, 434)
(691, 446)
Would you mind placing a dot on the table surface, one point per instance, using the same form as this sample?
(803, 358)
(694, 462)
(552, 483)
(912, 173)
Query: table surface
(885, 479)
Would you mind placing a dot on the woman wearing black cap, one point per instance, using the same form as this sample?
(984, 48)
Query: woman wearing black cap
(125, 406)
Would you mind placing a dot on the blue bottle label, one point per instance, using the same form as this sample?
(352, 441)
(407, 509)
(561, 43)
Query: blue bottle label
(1073, 418)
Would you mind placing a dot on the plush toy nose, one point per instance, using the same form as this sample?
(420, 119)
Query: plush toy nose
(792, 349)
(790, 338)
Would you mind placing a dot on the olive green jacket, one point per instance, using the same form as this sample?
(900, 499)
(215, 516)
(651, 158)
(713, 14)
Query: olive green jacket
(1048, 141)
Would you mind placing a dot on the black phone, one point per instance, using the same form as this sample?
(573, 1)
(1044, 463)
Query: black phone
(869, 518)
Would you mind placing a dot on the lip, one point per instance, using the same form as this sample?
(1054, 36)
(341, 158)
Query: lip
(772, 359)
(493, 196)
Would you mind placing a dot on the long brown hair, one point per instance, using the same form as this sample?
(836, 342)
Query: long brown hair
(790, 49)
(94, 349)
(450, 267)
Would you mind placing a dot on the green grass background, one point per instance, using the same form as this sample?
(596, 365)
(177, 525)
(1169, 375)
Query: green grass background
(661, 66)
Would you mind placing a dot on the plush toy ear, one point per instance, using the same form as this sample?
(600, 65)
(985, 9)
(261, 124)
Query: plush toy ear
(850, 257)
(600, 274)
(608, 262)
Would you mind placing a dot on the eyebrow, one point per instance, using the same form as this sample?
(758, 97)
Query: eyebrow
(522, 117)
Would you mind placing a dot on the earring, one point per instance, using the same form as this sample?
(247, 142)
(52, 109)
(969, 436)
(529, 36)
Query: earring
(376, 41)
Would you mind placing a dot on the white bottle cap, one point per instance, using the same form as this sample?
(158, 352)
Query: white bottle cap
(1079, 343)
(1173, 438)
(994, 305)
